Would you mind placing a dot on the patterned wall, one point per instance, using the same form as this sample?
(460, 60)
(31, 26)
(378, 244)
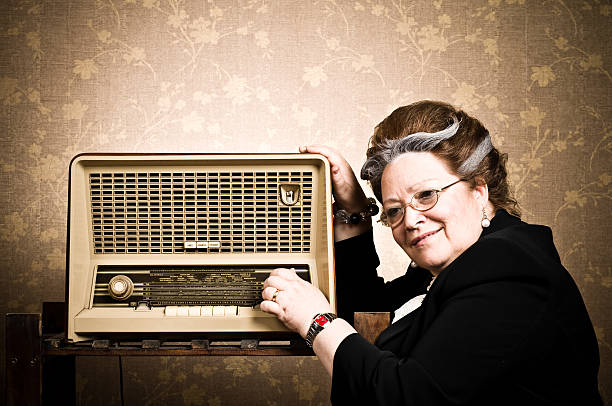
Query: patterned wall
(262, 75)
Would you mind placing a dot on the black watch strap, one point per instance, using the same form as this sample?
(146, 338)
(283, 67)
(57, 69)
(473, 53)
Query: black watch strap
(319, 322)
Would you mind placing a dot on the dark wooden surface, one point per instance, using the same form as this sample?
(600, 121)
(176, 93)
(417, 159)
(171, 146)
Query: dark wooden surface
(135, 351)
(58, 380)
(23, 357)
(371, 324)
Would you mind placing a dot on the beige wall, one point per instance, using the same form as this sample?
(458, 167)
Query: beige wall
(260, 75)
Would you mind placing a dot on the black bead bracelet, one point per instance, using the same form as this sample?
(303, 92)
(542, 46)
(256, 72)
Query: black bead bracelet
(342, 216)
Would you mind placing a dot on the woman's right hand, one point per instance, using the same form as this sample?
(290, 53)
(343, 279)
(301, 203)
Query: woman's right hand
(347, 191)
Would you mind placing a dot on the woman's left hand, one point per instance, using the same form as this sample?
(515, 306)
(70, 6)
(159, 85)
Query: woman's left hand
(296, 301)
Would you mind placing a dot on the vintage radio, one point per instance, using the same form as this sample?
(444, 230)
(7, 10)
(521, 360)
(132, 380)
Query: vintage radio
(181, 243)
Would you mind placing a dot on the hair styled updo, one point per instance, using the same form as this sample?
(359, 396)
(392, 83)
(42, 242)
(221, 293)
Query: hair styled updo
(452, 135)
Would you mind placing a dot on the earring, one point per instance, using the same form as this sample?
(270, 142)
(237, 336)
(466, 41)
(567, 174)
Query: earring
(413, 264)
(485, 222)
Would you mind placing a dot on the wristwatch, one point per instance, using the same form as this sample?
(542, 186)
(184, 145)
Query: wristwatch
(320, 321)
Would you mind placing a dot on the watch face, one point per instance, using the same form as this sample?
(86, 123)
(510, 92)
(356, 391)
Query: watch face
(321, 320)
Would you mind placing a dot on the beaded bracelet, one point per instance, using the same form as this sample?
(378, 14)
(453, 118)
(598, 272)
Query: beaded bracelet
(345, 217)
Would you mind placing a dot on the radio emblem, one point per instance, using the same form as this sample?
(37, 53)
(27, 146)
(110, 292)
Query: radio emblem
(289, 194)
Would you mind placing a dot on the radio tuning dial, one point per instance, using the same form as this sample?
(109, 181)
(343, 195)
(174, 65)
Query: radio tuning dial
(120, 287)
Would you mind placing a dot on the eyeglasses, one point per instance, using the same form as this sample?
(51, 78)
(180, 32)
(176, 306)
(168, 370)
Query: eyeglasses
(421, 201)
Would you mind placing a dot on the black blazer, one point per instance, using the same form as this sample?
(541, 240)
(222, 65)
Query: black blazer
(504, 324)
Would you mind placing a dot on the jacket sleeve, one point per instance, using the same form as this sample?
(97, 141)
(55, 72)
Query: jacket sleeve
(480, 315)
(358, 286)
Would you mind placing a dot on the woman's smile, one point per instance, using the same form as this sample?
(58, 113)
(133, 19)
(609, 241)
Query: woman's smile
(422, 239)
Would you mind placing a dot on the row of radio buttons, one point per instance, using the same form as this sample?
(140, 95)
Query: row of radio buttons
(202, 244)
(198, 311)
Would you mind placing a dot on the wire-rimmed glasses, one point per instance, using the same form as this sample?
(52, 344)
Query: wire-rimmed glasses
(421, 201)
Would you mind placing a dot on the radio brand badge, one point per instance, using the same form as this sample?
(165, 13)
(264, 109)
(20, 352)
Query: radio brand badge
(289, 194)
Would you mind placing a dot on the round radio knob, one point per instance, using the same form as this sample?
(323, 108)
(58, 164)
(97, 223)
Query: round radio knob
(120, 287)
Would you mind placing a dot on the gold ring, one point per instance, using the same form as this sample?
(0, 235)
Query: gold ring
(274, 295)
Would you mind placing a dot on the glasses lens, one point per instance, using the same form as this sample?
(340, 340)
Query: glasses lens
(425, 200)
(393, 216)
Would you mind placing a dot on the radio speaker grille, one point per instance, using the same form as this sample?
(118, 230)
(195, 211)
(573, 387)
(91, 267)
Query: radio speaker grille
(225, 212)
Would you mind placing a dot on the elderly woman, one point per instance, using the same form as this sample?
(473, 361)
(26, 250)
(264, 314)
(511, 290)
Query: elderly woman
(485, 314)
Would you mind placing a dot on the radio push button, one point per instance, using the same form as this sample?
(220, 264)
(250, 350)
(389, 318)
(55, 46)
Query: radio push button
(194, 311)
(231, 310)
(171, 311)
(182, 311)
(120, 287)
(206, 311)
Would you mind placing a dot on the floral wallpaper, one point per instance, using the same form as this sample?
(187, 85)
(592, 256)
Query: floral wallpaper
(267, 76)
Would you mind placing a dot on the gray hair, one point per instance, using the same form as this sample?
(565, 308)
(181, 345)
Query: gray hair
(373, 168)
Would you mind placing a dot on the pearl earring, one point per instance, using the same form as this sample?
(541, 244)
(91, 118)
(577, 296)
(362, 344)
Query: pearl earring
(413, 264)
(485, 222)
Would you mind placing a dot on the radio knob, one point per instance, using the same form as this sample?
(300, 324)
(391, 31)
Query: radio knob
(120, 287)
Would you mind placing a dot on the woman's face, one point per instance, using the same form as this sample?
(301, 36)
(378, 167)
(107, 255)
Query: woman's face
(432, 238)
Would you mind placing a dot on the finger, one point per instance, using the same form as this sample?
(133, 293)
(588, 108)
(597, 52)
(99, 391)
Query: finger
(331, 154)
(286, 273)
(268, 292)
(277, 282)
(269, 306)
(340, 168)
